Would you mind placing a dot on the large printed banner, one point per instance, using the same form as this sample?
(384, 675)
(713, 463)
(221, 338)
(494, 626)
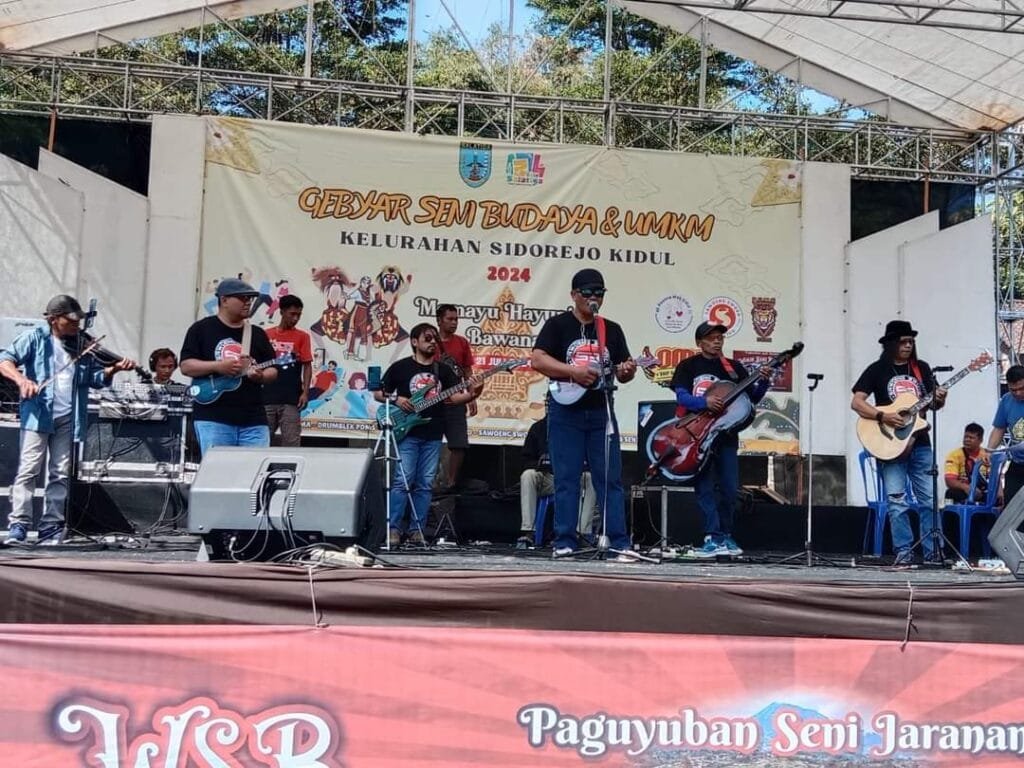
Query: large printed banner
(210, 697)
(374, 230)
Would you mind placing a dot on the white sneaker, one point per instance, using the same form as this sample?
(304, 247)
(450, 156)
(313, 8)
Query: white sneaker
(563, 552)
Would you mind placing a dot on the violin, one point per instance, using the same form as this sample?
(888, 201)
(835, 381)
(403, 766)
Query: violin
(85, 343)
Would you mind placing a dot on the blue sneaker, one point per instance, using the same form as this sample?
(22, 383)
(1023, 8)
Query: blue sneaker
(16, 535)
(50, 536)
(710, 550)
(732, 546)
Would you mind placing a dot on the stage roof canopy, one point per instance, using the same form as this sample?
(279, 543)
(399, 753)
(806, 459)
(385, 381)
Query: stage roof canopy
(943, 63)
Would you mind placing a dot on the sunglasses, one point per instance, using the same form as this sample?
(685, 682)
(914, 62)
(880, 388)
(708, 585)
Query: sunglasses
(587, 293)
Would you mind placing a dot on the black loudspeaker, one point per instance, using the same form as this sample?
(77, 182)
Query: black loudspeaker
(1006, 537)
(251, 499)
(651, 414)
(138, 508)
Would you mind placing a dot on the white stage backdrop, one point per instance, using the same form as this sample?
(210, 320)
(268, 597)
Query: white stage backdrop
(374, 229)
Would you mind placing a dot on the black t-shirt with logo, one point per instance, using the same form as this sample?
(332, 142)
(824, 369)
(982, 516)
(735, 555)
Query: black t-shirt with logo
(566, 339)
(696, 374)
(407, 376)
(884, 381)
(210, 339)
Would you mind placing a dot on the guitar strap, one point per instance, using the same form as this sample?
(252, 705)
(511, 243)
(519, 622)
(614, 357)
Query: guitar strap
(727, 365)
(246, 338)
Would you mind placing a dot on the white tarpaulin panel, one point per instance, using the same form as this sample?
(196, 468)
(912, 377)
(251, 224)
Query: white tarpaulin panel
(374, 229)
(916, 75)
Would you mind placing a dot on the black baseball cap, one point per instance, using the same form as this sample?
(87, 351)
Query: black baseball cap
(587, 278)
(706, 329)
(232, 286)
(64, 305)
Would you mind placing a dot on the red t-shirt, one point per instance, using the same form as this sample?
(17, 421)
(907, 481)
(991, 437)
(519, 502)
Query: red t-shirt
(285, 390)
(458, 354)
(295, 341)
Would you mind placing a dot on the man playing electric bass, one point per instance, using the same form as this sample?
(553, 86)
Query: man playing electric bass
(717, 483)
(420, 449)
(898, 370)
(567, 350)
(215, 346)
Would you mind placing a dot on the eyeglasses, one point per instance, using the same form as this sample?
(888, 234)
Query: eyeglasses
(428, 337)
(587, 293)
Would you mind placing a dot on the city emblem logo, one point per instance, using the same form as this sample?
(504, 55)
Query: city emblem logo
(474, 163)
(762, 317)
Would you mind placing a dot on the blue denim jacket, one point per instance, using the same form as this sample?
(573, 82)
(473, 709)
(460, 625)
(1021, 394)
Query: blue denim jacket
(32, 351)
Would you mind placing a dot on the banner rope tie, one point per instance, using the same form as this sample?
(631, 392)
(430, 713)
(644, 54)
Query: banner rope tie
(318, 621)
(910, 618)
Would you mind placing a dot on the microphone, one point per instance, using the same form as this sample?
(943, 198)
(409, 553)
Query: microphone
(91, 314)
(942, 369)
(593, 306)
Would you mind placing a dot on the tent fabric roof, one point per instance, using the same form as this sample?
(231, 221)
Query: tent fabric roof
(945, 77)
(917, 75)
(63, 27)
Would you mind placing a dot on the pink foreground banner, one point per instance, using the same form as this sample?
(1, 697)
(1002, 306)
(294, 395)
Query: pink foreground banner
(387, 697)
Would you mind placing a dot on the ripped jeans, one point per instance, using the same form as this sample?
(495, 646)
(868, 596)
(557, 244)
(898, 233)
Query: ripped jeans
(914, 468)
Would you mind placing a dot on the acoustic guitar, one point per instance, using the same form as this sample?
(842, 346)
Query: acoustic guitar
(887, 443)
(207, 389)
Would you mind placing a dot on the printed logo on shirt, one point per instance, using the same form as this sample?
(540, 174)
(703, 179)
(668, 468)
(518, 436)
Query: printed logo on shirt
(425, 381)
(702, 383)
(282, 347)
(901, 384)
(583, 352)
(227, 349)
(1017, 431)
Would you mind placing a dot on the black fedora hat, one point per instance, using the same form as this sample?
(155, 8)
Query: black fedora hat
(896, 329)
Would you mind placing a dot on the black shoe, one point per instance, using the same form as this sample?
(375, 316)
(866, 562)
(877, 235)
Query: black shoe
(938, 560)
(905, 557)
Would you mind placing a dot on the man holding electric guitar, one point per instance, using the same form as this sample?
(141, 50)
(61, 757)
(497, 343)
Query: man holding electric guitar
(898, 371)
(231, 360)
(567, 350)
(419, 446)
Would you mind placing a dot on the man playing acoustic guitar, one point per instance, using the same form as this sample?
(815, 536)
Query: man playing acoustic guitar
(565, 350)
(717, 484)
(896, 371)
(420, 449)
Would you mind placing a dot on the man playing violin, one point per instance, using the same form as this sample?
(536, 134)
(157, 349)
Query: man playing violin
(567, 349)
(717, 484)
(54, 399)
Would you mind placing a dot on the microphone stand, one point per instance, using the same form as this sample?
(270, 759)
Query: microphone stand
(812, 557)
(603, 547)
(78, 444)
(935, 533)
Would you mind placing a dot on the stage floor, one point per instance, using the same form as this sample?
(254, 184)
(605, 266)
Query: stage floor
(497, 559)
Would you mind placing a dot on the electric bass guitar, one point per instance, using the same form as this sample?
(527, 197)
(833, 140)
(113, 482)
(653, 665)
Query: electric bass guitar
(569, 392)
(887, 443)
(207, 389)
(403, 421)
(681, 447)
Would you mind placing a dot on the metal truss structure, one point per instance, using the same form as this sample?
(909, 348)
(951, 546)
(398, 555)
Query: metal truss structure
(874, 147)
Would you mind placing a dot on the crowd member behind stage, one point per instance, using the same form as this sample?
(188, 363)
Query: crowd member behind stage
(896, 371)
(455, 352)
(537, 480)
(717, 484)
(285, 398)
(1009, 419)
(960, 466)
(213, 347)
(163, 363)
(565, 347)
(54, 392)
(420, 449)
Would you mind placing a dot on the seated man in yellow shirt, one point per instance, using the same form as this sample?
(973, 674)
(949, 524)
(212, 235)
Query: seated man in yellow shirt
(960, 465)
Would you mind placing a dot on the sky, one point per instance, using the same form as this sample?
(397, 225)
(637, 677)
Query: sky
(474, 16)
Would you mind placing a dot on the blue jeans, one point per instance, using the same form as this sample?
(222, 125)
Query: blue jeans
(414, 480)
(895, 475)
(213, 433)
(716, 488)
(575, 435)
